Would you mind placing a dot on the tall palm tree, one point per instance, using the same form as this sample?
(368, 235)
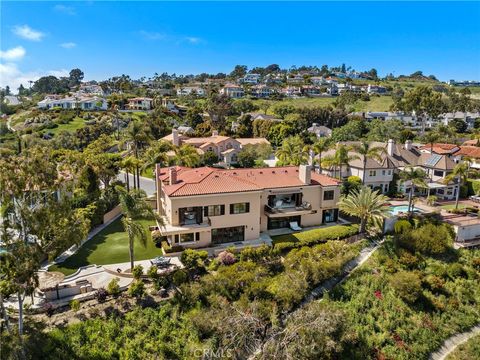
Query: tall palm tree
(293, 152)
(460, 174)
(155, 154)
(365, 204)
(416, 177)
(344, 157)
(366, 150)
(128, 165)
(319, 147)
(135, 208)
(136, 137)
(186, 155)
(431, 138)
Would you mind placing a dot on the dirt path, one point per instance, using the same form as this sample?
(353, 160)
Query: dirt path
(452, 342)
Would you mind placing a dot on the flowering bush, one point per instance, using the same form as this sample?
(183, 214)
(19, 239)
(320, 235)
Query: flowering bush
(226, 258)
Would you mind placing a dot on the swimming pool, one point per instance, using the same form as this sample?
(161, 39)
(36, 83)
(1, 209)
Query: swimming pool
(395, 210)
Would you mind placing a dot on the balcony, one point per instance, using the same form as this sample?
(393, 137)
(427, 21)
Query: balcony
(302, 209)
(169, 229)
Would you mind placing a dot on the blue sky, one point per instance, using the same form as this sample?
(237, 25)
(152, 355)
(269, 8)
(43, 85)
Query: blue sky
(141, 38)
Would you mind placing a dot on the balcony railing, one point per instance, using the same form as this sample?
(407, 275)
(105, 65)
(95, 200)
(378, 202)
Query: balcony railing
(285, 210)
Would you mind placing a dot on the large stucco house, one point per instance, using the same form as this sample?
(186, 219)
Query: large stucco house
(205, 207)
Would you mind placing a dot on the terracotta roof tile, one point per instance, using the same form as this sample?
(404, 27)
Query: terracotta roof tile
(207, 180)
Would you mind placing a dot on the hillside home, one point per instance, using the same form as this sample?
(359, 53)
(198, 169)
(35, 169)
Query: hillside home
(376, 89)
(232, 91)
(191, 90)
(250, 79)
(296, 79)
(140, 103)
(83, 103)
(226, 148)
(320, 130)
(206, 207)
(262, 91)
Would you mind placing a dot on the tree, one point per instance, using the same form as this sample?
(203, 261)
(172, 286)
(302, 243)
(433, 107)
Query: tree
(218, 107)
(246, 159)
(367, 205)
(352, 131)
(407, 285)
(459, 125)
(460, 175)
(319, 147)
(282, 110)
(186, 155)
(292, 152)
(238, 72)
(242, 106)
(415, 178)
(156, 154)
(367, 151)
(340, 159)
(135, 208)
(209, 158)
(245, 126)
(75, 77)
(136, 137)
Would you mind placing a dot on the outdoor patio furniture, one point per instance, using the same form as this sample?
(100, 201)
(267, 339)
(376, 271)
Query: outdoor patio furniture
(294, 226)
(161, 261)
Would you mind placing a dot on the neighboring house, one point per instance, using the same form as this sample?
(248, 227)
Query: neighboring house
(170, 105)
(320, 130)
(140, 103)
(439, 148)
(262, 91)
(206, 207)
(12, 100)
(191, 90)
(250, 79)
(464, 83)
(376, 89)
(311, 90)
(91, 89)
(232, 91)
(472, 152)
(318, 80)
(84, 103)
(297, 79)
(468, 117)
(292, 91)
(226, 148)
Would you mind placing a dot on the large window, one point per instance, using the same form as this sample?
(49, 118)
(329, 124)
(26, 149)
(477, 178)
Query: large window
(438, 173)
(372, 173)
(330, 215)
(186, 238)
(214, 210)
(190, 215)
(328, 195)
(282, 222)
(226, 235)
(239, 208)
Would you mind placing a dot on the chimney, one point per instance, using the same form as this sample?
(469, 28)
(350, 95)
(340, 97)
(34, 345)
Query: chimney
(305, 174)
(408, 145)
(390, 146)
(175, 138)
(215, 133)
(172, 172)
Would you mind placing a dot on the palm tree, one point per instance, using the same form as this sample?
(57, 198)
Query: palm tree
(331, 162)
(343, 157)
(292, 152)
(460, 174)
(416, 177)
(430, 138)
(128, 164)
(135, 208)
(156, 154)
(321, 145)
(365, 204)
(366, 150)
(186, 155)
(136, 136)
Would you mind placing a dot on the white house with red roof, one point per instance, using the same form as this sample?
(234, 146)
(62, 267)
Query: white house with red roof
(206, 207)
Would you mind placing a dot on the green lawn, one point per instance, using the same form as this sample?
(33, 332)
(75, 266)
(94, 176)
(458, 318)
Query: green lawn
(76, 123)
(452, 206)
(469, 350)
(110, 246)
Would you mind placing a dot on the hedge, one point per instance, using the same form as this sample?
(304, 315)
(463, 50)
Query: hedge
(315, 236)
(171, 249)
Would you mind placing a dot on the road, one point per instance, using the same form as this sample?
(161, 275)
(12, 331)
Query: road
(146, 184)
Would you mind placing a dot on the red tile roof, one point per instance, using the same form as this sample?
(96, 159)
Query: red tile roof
(207, 180)
(440, 148)
(471, 151)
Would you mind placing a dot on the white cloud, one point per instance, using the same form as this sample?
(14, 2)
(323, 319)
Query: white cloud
(193, 40)
(153, 35)
(13, 54)
(26, 32)
(68, 45)
(11, 75)
(69, 10)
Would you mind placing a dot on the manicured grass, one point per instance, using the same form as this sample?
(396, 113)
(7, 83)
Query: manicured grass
(110, 246)
(452, 206)
(76, 123)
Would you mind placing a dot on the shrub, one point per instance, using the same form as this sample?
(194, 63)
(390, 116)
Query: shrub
(101, 295)
(137, 272)
(137, 289)
(407, 285)
(179, 277)
(113, 288)
(75, 305)
(153, 273)
(226, 258)
(402, 226)
(194, 259)
(317, 236)
(157, 237)
(429, 239)
(255, 254)
(285, 246)
(171, 249)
